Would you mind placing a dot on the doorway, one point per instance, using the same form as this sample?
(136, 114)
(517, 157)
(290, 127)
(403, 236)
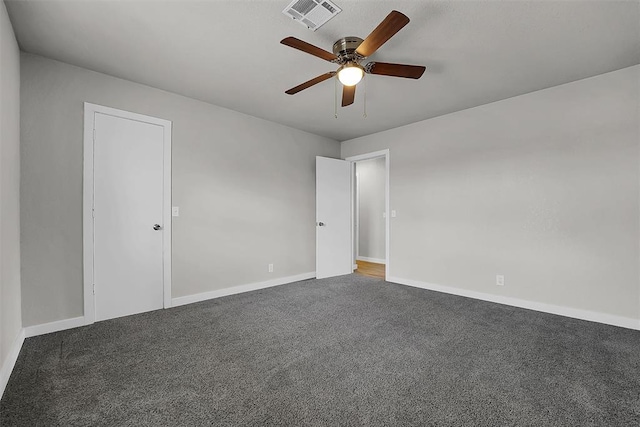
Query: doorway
(370, 219)
(127, 213)
(336, 251)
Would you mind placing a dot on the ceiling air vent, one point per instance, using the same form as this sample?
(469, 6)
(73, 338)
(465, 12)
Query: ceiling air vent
(312, 13)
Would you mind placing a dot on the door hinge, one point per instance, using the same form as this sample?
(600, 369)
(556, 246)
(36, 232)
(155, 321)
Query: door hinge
(93, 213)
(94, 288)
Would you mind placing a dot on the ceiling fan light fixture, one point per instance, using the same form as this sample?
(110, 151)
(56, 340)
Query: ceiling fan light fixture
(350, 74)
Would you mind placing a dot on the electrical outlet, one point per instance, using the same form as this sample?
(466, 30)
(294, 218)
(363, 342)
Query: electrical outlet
(175, 211)
(270, 268)
(393, 213)
(500, 280)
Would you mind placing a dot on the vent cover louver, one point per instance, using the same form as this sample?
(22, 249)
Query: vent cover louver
(311, 13)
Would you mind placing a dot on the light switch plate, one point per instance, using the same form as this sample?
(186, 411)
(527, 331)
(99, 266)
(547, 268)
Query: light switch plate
(393, 214)
(175, 211)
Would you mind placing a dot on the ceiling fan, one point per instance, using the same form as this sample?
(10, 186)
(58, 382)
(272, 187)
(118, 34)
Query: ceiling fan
(349, 52)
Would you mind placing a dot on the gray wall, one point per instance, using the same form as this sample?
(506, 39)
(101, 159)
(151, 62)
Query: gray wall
(543, 188)
(245, 188)
(10, 317)
(371, 223)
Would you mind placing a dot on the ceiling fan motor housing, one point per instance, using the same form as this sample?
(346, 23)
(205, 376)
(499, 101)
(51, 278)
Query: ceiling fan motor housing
(345, 49)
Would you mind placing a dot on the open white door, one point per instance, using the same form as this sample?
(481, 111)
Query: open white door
(333, 218)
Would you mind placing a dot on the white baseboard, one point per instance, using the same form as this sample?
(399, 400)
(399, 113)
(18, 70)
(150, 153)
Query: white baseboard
(10, 361)
(374, 260)
(189, 299)
(592, 316)
(60, 325)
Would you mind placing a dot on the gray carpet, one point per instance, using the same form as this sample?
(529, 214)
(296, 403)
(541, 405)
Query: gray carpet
(345, 351)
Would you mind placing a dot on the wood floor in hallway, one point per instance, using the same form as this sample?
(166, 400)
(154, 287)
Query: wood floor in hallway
(371, 269)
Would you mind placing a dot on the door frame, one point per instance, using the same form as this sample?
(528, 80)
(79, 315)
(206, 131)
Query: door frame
(90, 111)
(356, 216)
(369, 156)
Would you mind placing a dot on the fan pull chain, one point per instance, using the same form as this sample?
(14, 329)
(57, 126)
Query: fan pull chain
(335, 97)
(364, 112)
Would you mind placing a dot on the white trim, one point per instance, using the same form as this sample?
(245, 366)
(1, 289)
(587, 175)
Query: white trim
(592, 316)
(387, 203)
(356, 213)
(167, 217)
(88, 187)
(369, 259)
(87, 217)
(355, 267)
(368, 156)
(387, 208)
(10, 361)
(189, 299)
(59, 325)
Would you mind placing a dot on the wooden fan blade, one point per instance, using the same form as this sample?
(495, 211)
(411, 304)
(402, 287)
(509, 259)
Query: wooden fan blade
(348, 95)
(395, 70)
(393, 23)
(308, 48)
(310, 83)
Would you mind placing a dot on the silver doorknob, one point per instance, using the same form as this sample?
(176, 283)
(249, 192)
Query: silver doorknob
(157, 227)
(321, 224)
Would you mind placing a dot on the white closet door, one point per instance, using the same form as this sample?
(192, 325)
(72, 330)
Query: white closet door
(128, 216)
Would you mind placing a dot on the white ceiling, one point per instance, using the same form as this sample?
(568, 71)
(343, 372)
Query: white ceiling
(228, 52)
